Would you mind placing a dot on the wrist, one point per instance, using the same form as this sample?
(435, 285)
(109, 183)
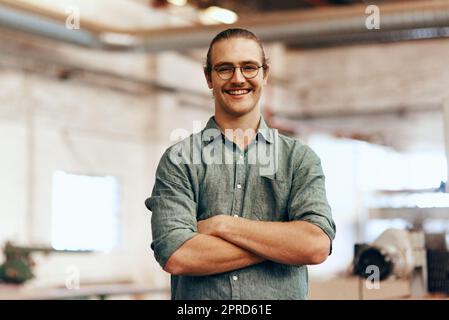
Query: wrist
(223, 225)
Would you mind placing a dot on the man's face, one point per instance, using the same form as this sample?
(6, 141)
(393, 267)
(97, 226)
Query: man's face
(238, 95)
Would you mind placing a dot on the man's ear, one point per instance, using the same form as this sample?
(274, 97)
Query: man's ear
(208, 79)
(265, 75)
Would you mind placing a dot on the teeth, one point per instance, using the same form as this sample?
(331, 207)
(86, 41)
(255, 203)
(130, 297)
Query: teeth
(236, 92)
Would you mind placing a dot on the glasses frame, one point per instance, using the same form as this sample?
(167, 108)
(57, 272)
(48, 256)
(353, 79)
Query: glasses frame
(264, 66)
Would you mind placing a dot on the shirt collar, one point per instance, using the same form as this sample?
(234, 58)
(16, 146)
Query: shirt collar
(264, 131)
(214, 131)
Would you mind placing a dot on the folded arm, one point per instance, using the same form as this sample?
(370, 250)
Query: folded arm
(177, 245)
(223, 243)
(292, 242)
(206, 255)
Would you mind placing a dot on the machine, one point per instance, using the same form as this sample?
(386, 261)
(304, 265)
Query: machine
(18, 265)
(407, 254)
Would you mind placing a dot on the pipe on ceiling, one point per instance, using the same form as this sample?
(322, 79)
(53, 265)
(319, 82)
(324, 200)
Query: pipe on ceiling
(45, 27)
(317, 26)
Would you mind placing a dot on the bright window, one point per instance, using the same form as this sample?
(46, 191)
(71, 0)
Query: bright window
(85, 212)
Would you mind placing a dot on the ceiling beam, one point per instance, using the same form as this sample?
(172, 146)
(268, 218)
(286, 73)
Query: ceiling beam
(300, 27)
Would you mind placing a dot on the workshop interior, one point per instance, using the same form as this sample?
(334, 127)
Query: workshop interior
(93, 92)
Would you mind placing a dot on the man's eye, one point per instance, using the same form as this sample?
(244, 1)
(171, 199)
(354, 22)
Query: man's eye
(250, 68)
(224, 69)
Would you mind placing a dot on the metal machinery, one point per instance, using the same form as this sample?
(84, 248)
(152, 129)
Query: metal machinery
(412, 254)
(407, 254)
(18, 265)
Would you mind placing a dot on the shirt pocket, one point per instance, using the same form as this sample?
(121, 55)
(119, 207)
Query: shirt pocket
(271, 198)
(215, 192)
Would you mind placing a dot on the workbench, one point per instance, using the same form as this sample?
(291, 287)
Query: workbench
(102, 291)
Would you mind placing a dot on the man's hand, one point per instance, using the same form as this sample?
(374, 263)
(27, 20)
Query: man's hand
(212, 225)
(272, 240)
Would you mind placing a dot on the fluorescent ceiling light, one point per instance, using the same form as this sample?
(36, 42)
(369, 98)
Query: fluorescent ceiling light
(179, 3)
(118, 39)
(216, 15)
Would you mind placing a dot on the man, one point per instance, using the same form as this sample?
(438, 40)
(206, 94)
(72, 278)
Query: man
(227, 223)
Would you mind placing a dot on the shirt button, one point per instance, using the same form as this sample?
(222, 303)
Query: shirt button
(235, 278)
(239, 186)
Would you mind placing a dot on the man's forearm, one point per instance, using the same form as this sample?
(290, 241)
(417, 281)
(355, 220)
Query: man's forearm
(206, 255)
(292, 242)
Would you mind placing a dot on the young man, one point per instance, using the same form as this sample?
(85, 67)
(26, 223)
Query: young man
(238, 210)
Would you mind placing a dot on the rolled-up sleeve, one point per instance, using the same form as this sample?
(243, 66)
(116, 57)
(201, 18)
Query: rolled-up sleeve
(308, 200)
(173, 208)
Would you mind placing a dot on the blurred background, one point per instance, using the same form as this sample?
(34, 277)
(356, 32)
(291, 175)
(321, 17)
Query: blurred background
(91, 92)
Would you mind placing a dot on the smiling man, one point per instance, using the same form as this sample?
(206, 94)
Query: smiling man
(237, 229)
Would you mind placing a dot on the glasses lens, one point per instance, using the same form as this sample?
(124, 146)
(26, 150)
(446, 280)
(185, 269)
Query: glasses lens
(225, 72)
(250, 71)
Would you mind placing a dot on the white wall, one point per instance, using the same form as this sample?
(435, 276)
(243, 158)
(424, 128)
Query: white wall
(374, 77)
(48, 125)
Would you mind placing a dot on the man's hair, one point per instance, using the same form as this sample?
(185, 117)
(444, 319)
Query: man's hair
(229, 34)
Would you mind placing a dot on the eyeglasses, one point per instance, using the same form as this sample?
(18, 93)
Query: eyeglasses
(249, 71)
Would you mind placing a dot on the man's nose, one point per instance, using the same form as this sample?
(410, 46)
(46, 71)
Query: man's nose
(238, 76)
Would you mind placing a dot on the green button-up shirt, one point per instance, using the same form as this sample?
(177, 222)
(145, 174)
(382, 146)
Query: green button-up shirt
(276, 178)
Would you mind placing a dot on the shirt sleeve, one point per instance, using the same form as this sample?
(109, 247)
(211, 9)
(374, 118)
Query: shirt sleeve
(173, 208)
(308, 200)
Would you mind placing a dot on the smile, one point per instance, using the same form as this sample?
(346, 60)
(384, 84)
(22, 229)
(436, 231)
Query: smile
(238, 92)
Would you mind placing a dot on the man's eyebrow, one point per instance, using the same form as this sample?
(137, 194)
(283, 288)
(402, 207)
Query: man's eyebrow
(221, 63)
(250, 62)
